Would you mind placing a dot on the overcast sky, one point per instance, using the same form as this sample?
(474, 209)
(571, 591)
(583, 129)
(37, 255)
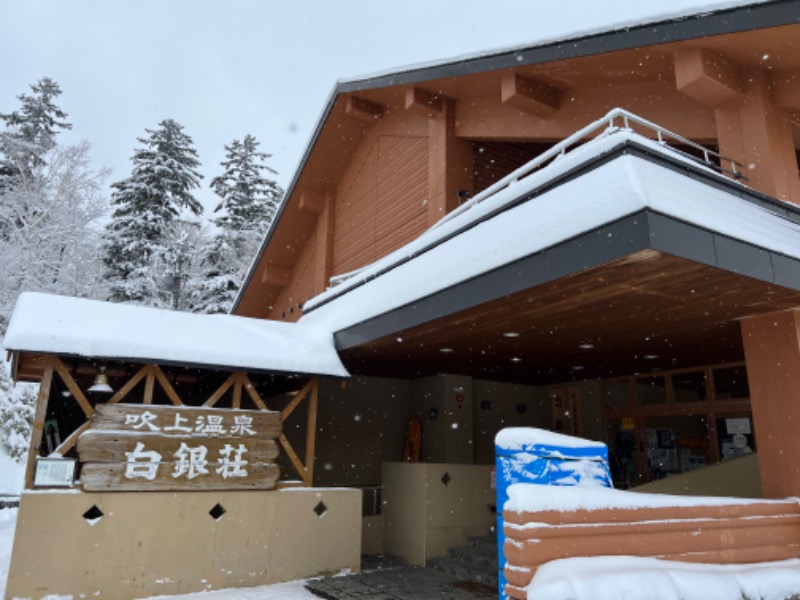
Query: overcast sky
(224, 69)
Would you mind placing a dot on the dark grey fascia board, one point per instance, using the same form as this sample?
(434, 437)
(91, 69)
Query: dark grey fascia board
(643, 230)
(736, 20)
(732, 20)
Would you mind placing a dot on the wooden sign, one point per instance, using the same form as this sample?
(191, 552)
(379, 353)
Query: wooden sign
(187, 420)
(172, 448)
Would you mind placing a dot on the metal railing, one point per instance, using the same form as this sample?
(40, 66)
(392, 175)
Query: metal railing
(616, 120)
(606, 125)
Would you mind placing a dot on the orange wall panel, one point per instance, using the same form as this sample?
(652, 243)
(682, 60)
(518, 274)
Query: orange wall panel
(382, 206)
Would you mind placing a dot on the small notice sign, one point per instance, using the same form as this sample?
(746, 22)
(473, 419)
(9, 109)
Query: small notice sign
(741, 425)
(54, 472)
(628, 423)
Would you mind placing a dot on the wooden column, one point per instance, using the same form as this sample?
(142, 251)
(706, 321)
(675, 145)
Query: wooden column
(38, 422)
(323, 259)
(449, 163)
(772, 352)
(751, 127)
(753, 131)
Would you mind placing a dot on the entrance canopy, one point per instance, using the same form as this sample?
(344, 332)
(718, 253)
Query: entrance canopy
(623, 244)
(58, 325)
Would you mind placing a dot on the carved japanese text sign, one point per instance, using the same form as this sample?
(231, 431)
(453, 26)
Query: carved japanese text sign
(149, 447)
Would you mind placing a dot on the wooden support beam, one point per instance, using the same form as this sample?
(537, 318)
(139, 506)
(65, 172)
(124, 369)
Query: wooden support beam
(311, 431)
(323, 245)
(38, 423)
(423, 102)
(297, 400)
(707, 77)
(167, 386)
(254, 395)
(72, 439)
(312, 201)
(236, 401)
(76, 392)
(125, 389)
(277, 276)
(298, 464)
(362, 109)
(215, 397)
(786, 90)
(149, 385)
(534, 97)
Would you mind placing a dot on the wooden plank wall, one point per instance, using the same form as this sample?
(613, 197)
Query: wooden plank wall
(383, 206)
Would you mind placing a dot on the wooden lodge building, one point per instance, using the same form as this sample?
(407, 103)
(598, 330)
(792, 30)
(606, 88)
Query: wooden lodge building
(598, 235)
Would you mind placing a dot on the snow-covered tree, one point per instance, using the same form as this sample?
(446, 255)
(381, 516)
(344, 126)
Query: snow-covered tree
(248, 205)
(147, 203)
(17, 407)
(50, 222)
(30, 132)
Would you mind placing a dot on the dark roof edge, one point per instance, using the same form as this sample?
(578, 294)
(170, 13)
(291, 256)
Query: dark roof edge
(732, 20)
(175, 363)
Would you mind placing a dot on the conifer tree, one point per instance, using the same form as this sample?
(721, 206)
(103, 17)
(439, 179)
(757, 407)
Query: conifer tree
(147, 203)
(248, 205)
(30, 132)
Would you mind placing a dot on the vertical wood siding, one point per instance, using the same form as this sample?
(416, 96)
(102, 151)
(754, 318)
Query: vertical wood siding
(384, 205)
(300, 289)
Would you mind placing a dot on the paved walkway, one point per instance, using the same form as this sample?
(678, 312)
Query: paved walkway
(387, 578)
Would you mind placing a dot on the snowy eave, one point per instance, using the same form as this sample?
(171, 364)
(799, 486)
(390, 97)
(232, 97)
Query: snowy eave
(49, 324)
(579, 25)
(520, 221)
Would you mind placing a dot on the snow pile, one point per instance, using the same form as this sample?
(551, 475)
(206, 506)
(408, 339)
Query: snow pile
(528, 497)
(12, 475)
(8, 522)
(75, 326)
(636, 578)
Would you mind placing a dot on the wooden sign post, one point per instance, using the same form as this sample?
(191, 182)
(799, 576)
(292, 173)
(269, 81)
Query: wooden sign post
(131, 447)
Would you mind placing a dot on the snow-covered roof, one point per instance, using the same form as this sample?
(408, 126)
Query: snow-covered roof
(609, 16)
(631, 25)
(501, 229)
(74, 326)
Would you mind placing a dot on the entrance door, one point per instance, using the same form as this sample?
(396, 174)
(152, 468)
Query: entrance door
(566, 405)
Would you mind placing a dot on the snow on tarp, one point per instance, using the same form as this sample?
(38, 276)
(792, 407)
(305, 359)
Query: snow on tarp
(472, 244)
(524, 438)
(61, 325)
(638, 578)
(529, 497)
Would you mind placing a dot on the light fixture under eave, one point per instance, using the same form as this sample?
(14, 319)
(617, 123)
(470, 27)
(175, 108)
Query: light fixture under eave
(586, 345)
(100, 385)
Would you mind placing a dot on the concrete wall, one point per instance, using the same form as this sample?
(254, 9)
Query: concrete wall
(739, 478)
(425, 513)
(503, 412)
(359, 427)
(153, 543)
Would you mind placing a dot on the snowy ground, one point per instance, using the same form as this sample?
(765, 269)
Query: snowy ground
(12, 475)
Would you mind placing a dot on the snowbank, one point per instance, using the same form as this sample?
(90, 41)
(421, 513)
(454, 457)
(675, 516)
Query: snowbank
(12, 475)
(636, 578)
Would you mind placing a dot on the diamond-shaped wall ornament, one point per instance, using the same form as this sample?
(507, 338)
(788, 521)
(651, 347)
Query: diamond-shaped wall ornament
(217, 512)
(320, 509)
(446, 478)
(93, 515)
